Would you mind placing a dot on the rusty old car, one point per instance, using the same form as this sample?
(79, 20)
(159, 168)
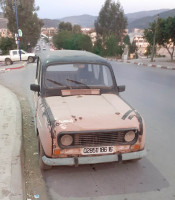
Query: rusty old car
(80, 117)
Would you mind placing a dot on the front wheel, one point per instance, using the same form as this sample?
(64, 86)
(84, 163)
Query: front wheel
(30, 59)
(43, 166)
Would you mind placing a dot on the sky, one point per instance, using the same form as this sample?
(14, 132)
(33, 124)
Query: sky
(56, 9)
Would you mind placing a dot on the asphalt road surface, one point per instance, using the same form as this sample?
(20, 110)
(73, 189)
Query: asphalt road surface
(152, 92)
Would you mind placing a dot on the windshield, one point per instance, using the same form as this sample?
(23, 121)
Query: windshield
(23, 52)
(78, 76)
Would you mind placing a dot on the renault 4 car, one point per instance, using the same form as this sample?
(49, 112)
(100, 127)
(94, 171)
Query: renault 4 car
(80, 117)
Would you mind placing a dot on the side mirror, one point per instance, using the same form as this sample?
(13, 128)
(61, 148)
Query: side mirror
(121, 88)
(35, 88)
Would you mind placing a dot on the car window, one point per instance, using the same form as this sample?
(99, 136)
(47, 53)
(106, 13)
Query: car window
(23, 52)
(15, 53)
(78, 75)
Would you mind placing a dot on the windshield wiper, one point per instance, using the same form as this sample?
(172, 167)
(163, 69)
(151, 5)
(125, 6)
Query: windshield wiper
(57, 83)
(77, 82)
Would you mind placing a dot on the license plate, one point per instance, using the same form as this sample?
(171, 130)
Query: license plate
(97, 150)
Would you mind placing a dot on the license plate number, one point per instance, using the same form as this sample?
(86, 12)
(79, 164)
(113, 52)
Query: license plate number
(97, 150)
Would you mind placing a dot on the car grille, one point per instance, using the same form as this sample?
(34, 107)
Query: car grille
(97, 139)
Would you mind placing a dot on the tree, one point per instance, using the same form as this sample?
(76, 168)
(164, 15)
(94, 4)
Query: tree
(82, 42)
(148, 51)
(111, 20)
(165, 34)
(28, 20)
(65, 26)
(76, 28)
(69, 40)
(111, 46)
(110, 27)
(98, 47)
(7, 44)
(133, 48)
(150, 36)
(126, 40)
(63, 40)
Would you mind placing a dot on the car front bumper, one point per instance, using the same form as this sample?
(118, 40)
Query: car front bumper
(75, 161)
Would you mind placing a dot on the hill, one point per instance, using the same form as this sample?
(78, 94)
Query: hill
(82, 20)
(135, 20)
(145, 21)
(137, 15)
(51, 23)
(88, 20)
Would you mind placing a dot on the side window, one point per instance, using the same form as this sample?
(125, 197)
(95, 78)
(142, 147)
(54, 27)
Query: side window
(102, 75)
(15, 53)
(96, 70)
(107, 77)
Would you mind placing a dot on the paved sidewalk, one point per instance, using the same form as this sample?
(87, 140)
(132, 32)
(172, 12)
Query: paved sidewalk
(163, 63)
(11, 187)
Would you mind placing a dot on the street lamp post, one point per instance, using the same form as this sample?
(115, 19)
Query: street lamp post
(16, 12)
(154, 40)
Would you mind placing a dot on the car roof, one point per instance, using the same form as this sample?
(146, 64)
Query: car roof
(71, 56)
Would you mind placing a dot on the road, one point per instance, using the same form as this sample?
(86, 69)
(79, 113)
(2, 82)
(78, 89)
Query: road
(152, 92)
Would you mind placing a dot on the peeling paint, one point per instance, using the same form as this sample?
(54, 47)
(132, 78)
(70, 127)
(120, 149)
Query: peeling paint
(64, 123)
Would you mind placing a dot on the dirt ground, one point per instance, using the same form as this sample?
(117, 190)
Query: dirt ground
(33, 179)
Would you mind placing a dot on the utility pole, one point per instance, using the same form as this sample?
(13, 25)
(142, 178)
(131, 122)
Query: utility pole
(154, 39)
(16, 12)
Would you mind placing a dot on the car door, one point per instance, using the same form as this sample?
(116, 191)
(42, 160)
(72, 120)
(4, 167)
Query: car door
(37, 94)
(15, 55)
(24, 55)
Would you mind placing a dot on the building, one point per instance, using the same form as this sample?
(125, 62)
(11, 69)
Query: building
(91, 33)
(49, 32)
(137, 36)
(5, 33)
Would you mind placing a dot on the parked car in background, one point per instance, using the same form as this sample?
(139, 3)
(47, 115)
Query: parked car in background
(14, 56)
(44, 47)
(80, 117)
(37, 48)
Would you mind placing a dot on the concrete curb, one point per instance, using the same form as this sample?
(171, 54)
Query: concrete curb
(14, 180)
(144, 64)
(6, 68)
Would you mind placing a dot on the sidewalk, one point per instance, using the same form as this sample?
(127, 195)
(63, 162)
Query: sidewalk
(11, 187)
(163, 63)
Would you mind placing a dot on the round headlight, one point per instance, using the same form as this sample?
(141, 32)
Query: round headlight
(129, 136)
(66, 140)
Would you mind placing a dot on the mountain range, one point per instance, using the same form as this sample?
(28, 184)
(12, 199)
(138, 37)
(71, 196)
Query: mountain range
(145, 21)
(135, 20)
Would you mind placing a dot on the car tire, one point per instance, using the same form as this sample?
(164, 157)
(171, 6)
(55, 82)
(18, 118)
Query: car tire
(8, 61)
(43, 166)
(30, 59)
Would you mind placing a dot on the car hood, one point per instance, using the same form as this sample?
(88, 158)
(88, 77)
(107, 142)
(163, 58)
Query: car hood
(90, 112)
